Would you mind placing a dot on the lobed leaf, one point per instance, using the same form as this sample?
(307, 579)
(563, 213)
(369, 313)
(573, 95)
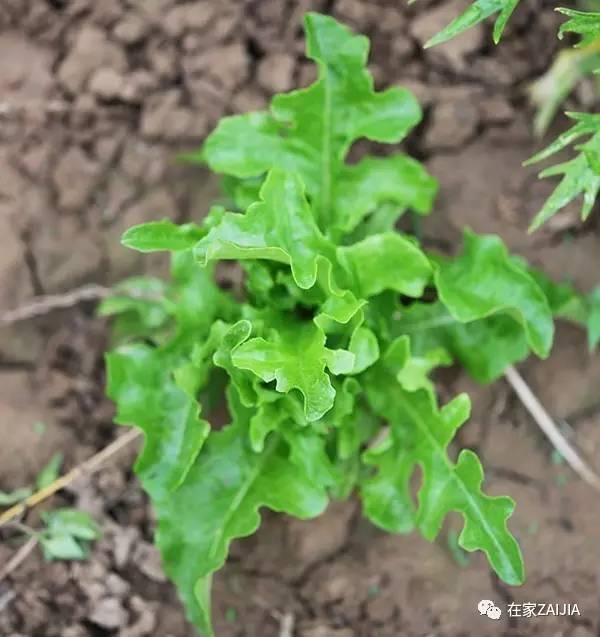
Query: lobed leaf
(296, 358)
(227, 484)
(477, 12)
(581, 175)
(385, 262)
(484, 280)
(141, 382)
(485, 347)
(420, 434)
(309, 132)
(280, 227)
(584, 23)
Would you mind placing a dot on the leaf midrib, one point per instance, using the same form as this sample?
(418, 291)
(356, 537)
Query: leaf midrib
(241, 494)
(452, 476)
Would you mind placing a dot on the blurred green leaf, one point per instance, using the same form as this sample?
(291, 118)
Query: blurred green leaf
(50, 472)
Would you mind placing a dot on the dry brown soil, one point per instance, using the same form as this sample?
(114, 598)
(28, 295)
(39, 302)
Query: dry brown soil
(95, 100)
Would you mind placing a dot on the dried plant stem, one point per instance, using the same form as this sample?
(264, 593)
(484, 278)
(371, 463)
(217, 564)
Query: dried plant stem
(548, 426)
(85, 468)
(18, 558)
(45, 304)
(286, 625)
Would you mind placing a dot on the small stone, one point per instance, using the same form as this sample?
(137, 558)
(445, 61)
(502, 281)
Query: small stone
(109, 613)
(75, 177)
(496, 110)
(106, 84)
(146, 621)
(131, 29)
(355, 11)
(163, 119)
(248, 99)
(90, 51)
(123, 541)
(147, 559)
(276, 73)
(453, 123)
(380, 609)
(189, 17)
(200, 14)
(117, 586)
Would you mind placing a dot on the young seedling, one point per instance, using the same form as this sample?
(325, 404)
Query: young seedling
(324, 363)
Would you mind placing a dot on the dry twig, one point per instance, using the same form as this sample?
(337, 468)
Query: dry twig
(85, 468)
(18, 558)
(548, 426)
(45, 304)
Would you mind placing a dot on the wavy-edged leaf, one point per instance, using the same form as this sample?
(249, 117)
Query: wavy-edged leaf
(420, 434)
(484, 280)
(386, 261)
(295, 357)
(309, 131)
(141, 383)
(281, 228)
(219, 501)
(363, 344)
(415, 368)
(485, 347)
(373, 181)
(564, 300)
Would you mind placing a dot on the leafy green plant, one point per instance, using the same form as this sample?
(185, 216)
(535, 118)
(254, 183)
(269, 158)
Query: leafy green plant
(581, 175)
(67, 533)
(322, 362)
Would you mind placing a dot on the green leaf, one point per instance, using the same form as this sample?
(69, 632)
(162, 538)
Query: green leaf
(364, 346)
(141, 383)
(281, 227)
(363, 187)
(485, 347)
(219, 501)
(474, 14)
(581, 175)
(309, 131)
(62, 547)
(584, 23)
(385, 262)
(593, 321)
(140, 307)
(484, 280)
(578, 178)
(564, 301)
(162, 235)
(296, 358)
(78, 524)
(420, 434)
(50, 472)
(550, 90)
(8, 498)
(415, 372)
